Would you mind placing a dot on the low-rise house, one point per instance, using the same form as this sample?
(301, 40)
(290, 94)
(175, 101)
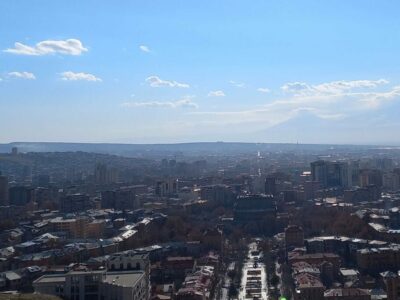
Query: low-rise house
(347, 294)
(308, 287)
(197, 285)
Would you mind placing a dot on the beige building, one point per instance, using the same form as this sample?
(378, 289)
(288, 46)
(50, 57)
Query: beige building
(128, 261)
(81, 227)
(95, 285)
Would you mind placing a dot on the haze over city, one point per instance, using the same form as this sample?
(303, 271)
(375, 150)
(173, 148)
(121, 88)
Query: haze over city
(199, 150)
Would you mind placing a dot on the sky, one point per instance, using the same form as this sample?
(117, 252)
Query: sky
(190, 71)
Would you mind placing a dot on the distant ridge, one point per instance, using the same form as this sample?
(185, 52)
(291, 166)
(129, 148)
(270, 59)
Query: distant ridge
(189, 148)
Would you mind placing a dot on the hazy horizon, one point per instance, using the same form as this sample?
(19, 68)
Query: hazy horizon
(198, 142)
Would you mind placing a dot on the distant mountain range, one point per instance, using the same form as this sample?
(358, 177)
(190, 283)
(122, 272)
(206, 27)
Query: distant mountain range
(227, 148)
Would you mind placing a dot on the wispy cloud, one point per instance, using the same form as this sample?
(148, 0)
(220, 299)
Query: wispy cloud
(333, 87)
(330, 101)
(144, 48)
(72, 76)
(156, 81)
(374, 100)
(237, 84)
(22, 75)
(66, 47)
(185, 102)
(218, 93)
(263, 90)
(296, 87)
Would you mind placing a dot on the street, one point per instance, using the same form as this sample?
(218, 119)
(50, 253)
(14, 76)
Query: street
(254, 280)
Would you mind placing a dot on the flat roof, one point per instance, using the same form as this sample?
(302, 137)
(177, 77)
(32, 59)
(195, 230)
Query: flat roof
(126, 279)
(86, 272)
(50, 279)
(348, 272)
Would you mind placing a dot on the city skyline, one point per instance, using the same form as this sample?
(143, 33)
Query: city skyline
(168, 72)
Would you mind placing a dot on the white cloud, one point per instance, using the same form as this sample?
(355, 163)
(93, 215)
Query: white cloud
(237, 84)
(333, 87)
(374, 100)
(339, 86)
(67, 47)
(331, 116)
(296, 87)
(218, 93)
(330, 101)
(185, 102)
(264, 90)
(72, 76)
(22, 75)
(144, 48)
(156, 81)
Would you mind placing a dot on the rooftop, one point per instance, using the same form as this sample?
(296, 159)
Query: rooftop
(126, 279)
(50, 279)
(345, 292)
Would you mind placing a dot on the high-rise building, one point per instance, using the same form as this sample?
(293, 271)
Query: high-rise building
(122, 198)
(3, 190)
(256, 212)
(319, 172)
(21, 195)
(74, 203)
(371, 176)
(168, 187)
(217, 194)
(331, 174)
(383, 163)
(270, 185)
(104, 175)
(391, 181)
(100, 173)
(253, 207)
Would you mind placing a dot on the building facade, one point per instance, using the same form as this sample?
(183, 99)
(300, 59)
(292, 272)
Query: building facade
(95, 285)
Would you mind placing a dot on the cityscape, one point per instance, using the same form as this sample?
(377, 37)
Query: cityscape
(199, 150)
(260, 221)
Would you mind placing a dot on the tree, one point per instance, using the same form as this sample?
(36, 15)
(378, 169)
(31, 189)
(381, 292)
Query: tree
(232, 274)
(233, 292)
(274, 281)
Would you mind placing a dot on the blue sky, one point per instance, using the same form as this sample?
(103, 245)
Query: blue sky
(183, 71)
